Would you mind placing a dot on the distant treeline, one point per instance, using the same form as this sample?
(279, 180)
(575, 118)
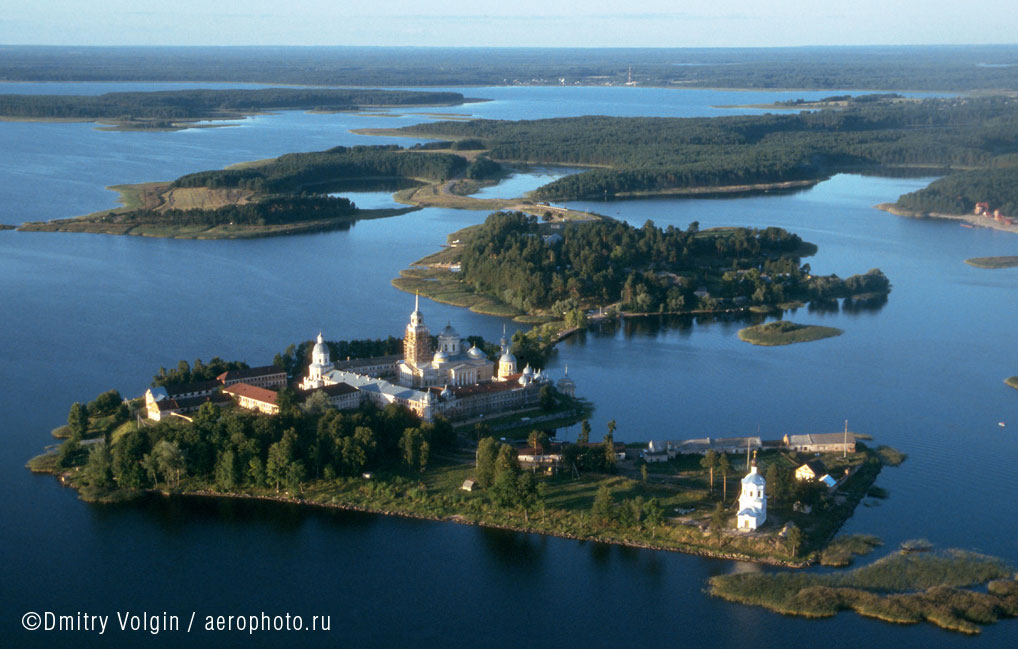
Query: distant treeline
(192, 104)
(273, 210)
(882, 68)
(959, 193)
(299, 171)
(655, 154)
(646, 269)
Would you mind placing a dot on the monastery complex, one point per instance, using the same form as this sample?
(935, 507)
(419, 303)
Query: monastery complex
(451, 380)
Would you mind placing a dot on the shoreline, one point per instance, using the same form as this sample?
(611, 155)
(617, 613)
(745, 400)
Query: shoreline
(463, 520)
(965, 219)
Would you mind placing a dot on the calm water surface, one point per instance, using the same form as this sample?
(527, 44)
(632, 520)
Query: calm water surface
(82, 313)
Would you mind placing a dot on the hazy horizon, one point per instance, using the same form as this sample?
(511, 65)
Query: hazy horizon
(524, 23)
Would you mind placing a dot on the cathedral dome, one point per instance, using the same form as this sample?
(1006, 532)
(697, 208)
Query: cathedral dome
(449, 332)
(528, 371)
(446, 393)
(507, 358)
(475, 353)
(440, 357)
(320, 353)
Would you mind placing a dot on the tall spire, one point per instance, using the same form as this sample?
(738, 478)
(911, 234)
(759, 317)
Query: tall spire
(417, 301)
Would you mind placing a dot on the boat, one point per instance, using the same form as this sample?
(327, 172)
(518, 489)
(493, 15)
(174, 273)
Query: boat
(1000, 423)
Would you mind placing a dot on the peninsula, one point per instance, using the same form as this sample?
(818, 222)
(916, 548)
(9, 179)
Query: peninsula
(296, 192)
(169, 110)
(644, 156)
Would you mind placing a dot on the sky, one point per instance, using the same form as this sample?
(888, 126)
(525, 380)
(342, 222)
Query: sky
(507, 23)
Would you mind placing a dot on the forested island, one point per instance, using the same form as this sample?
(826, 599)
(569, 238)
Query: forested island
(886, 68)
(178, 109)
(639, 156)
(517, 264)
(388, 461)
(288, 194)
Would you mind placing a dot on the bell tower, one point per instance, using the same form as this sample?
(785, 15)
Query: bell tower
(417, 342)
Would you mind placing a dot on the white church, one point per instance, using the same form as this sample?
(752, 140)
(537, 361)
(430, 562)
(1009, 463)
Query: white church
(752, 500)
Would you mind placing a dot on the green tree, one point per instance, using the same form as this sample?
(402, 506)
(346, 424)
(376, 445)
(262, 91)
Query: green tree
(538, 439)
(68, 452)
(724, 467)
(169, 460)
(710, 463)
(316, 403)
(77, 420)
(653, 513)
(609, 448)
(256, 471)
(603, 508)
(227, 473)
(584, 436)
(415, 449)
(281, 456)
(775, 486)
(718, 519)
(530, 493)
(487, 452)
(793, 539)
(505, 486)
(128, 454)
(99, 469)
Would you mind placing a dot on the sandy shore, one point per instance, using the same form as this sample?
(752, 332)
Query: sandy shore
(969, 219)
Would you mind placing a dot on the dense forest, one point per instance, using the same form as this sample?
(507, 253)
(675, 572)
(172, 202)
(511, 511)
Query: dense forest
(959, 193)
(296, 172)
(640, 154)
(955, 68)
(274, 210)
(236, 448)
(646, 269)
(197, 104)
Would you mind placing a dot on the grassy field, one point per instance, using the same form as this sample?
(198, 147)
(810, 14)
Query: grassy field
(782, 332)
(899, 588)
(993, 262)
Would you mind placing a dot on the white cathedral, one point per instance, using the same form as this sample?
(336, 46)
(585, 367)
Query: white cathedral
(752, 500)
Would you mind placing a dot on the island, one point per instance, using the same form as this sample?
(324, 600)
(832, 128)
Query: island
(993, 262)
(783, 332)
(580, 270)
(451, 428)
(1012, 381)
(170, 110)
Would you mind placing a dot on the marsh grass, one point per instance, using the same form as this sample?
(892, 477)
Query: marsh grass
(904, 589)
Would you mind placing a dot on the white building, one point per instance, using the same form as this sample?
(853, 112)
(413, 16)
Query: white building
(319, 366)
(752, 500)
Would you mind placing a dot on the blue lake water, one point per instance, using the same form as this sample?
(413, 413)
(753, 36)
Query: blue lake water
(80, 314)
